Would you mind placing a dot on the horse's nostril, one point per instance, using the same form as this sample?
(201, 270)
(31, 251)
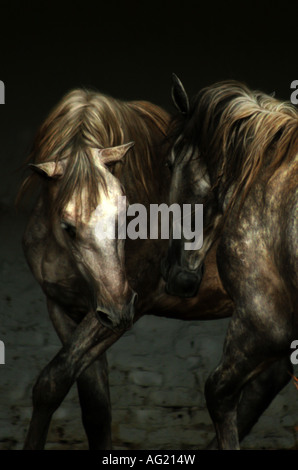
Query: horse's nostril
(184, 284)
(186, 279)
(104, 319)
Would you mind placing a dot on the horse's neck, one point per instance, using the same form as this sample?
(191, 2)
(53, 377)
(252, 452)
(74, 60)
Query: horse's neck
(40, 225)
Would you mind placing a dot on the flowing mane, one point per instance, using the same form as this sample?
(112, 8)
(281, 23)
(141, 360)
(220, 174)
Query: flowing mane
(84, 120)
(240, 131)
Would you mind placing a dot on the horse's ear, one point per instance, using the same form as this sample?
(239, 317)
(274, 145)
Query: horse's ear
(179, 95)
(114, 154)
(48, 169)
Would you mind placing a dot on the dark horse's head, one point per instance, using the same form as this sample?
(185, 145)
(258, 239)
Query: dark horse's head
(183, 266)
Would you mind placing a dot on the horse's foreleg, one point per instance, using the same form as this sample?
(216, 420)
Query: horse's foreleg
(249, 349)
(222, 392)
(87, 343)
(93, 387)
(258, 394)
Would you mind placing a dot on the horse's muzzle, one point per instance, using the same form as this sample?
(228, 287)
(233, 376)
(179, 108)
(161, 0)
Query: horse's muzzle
(184, 283)
(118, 321)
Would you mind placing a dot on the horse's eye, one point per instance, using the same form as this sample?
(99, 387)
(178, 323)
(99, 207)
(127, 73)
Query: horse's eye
(69, 229)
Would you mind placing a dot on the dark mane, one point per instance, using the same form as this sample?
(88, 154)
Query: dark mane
(84, 120)
(234, 129)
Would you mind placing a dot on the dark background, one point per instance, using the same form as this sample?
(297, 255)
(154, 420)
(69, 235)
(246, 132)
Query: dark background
(129, 50)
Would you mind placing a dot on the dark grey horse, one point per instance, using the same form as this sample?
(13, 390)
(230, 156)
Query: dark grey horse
(236, 152)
